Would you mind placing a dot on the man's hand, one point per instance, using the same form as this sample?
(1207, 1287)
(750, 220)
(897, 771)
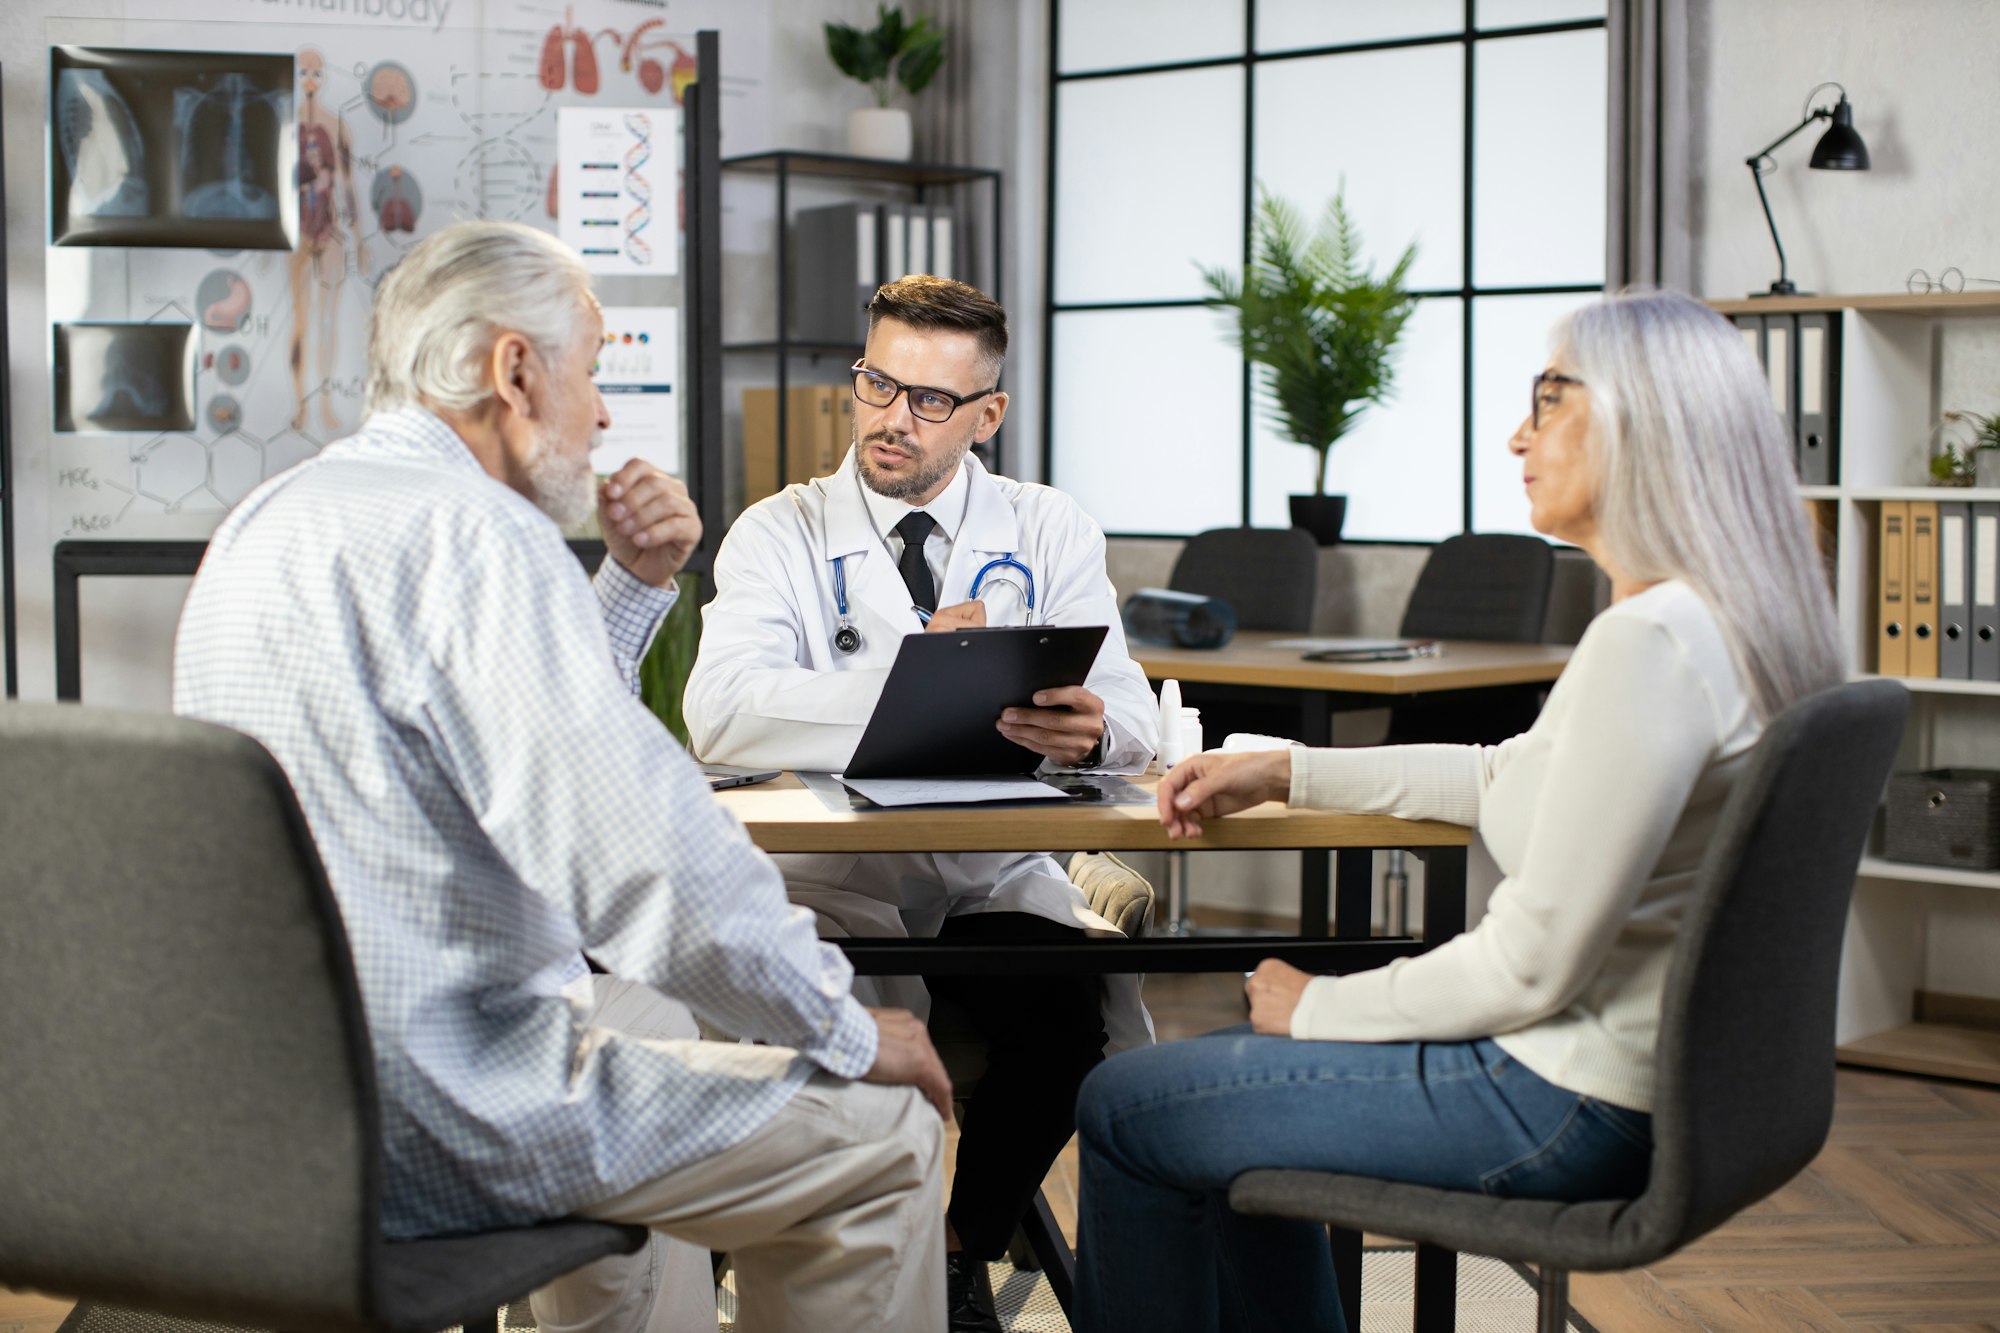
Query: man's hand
(904, 1056)
(965, 615)
(1064, 725)
(1208, 786)
(1274, 990)
(650, 525)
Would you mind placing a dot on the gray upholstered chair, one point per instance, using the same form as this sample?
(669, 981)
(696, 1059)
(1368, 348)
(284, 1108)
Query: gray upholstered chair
(1488, 587)
(1269, 576)
(188, 1112)
(1745, 1059)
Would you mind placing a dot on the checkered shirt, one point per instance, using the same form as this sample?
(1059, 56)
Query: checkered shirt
(416, 646)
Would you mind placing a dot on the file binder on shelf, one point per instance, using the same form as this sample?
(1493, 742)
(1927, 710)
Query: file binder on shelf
(944, 240)
(1818, 398)
(813, 443)
(1892, 640)
(1954, 590)
(839, 262)
(1986, 591)
(1780, 371)
(1923, 588)
(1800, 355)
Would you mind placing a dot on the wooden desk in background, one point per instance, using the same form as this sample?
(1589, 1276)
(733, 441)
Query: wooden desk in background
(1321, 689)
(785, 816)
(1251, 660)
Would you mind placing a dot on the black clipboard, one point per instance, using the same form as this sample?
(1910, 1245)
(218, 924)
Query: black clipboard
(936, 715)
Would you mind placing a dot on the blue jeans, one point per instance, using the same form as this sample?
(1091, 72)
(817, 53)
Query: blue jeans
(1164, 1130)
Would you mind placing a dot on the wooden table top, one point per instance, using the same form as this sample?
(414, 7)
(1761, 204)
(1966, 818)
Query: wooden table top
(783, 815)
(1251, 660)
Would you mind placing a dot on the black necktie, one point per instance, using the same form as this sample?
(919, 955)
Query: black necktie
(915, 530)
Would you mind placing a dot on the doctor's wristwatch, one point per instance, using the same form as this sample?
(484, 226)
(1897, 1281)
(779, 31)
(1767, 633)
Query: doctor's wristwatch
(1096, 755)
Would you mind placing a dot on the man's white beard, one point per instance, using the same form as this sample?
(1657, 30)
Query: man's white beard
(563, 488)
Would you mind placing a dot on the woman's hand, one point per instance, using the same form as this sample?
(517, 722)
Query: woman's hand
(1208, 786)
(1274, 990)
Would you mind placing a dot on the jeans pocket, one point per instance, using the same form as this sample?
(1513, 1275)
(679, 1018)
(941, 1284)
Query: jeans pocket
(1587, 1156)
(1636, 1127)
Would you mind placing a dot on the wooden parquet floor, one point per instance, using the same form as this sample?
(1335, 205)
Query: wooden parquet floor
(1894, 1228)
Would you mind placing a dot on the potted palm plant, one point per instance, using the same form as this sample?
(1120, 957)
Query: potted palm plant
(1322, 325)
(892, 52)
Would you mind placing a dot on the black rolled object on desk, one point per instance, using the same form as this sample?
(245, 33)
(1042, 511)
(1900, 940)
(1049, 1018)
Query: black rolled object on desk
(1178, 619)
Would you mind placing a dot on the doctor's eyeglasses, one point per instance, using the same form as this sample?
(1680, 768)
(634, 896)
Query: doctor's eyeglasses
(926, 404)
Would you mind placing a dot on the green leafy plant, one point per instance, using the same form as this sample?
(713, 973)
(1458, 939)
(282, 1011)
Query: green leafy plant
(890, 53)
(1957, 462)
(663, 671)
(1317, 318)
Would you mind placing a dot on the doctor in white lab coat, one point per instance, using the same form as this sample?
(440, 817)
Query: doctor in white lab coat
(773, 685)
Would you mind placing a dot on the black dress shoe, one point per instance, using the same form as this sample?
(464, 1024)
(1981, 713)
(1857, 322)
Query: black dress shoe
(968, 1295)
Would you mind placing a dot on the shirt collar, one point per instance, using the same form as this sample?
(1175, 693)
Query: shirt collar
(416, 432)
(948, 508)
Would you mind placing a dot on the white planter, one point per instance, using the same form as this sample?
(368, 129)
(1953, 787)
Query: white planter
(1986, 467)
(879, 131)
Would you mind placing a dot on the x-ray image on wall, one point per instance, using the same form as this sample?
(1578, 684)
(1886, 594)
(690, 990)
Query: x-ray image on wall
(171, 148)
(124, 377)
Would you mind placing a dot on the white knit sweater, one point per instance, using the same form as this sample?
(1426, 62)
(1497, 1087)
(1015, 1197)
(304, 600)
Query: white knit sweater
(1598, 817)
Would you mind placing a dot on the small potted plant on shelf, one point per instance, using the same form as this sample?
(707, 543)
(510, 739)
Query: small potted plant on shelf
(892, 52)
(1976, 462)
(1322, 325)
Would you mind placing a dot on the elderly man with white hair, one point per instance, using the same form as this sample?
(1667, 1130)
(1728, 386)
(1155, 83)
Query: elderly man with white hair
(399, 622)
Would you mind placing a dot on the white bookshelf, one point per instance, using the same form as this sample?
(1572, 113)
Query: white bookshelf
(1889, 348)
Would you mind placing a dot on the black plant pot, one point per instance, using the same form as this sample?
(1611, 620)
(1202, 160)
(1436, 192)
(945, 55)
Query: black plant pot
(1320, 515)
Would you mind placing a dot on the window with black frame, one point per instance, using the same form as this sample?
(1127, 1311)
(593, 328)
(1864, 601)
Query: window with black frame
(1475, 128)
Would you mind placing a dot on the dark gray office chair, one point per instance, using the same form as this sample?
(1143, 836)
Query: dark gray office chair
(189, 1110)
(1491, 587)
(1270, 576)
(1744, 1089)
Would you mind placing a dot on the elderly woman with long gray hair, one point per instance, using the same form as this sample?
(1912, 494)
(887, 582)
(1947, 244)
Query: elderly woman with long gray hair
(1517, 1058)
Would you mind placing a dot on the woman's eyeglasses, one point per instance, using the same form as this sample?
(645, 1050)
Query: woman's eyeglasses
(1544, 396)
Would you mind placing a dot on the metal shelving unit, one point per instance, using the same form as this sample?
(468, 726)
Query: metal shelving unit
(923, 179)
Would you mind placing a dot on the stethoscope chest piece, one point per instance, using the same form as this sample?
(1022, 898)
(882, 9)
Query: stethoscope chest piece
(846, 638)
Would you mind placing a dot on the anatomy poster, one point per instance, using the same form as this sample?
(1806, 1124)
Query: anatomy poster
(408, 115)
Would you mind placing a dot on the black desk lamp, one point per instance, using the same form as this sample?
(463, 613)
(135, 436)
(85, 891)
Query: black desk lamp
(1839, 149)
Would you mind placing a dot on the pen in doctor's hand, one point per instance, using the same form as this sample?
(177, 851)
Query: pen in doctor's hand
(923, 616)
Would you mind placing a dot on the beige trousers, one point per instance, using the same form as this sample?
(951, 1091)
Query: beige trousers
(832, 1213)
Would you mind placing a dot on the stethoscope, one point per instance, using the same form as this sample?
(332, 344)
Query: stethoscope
(847, 638)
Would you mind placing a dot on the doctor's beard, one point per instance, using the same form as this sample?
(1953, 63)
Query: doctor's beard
(561, 484)
(923, 474)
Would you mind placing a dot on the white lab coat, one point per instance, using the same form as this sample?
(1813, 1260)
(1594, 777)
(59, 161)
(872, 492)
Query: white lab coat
(769, 689)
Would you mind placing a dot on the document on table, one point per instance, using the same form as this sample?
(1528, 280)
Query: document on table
(952, 791)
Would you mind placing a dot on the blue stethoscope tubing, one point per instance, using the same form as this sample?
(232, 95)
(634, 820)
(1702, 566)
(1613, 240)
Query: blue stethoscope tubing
(848, 639)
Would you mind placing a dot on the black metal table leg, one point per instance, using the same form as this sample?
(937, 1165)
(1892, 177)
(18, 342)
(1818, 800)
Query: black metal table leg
(1437, 1290)
(1353, 893)
(1347, 1271)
